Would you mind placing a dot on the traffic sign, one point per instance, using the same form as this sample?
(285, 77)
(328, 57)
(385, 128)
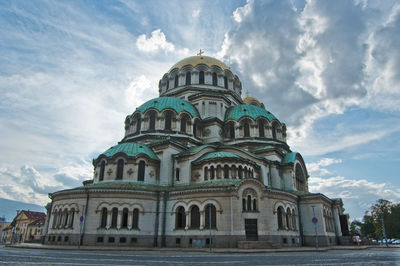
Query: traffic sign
(314, 220)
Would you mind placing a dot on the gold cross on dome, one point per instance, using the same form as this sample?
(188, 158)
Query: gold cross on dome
(200, 53)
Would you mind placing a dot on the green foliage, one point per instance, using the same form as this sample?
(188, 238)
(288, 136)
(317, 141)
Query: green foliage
(383, 210)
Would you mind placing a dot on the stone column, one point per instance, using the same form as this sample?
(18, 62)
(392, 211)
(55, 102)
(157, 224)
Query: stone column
(130, 216)
(202, 220)
(109, 217)
(187, 220)
(119, 219)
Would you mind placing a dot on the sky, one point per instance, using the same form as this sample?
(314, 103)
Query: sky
(71, 71)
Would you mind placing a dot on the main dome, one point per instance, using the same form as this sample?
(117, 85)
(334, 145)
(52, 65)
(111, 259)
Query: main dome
(198, 60)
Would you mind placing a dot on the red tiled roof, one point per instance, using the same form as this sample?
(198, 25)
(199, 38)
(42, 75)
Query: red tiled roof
(35, 215)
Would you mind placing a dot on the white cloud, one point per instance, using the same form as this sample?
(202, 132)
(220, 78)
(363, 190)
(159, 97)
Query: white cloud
(357, 195)
(156, 42)
(318, 168)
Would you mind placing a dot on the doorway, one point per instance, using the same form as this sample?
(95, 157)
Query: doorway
(250, 225)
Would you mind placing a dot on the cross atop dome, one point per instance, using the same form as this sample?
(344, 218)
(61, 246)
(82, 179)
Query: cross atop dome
(200, 52)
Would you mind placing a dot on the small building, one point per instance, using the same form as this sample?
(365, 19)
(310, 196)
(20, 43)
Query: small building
(3, 229)
(27, 226)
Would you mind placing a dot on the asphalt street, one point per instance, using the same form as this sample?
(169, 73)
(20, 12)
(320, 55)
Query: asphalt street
(22, 256)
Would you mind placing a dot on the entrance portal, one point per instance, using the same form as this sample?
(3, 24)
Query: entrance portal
(250, 225)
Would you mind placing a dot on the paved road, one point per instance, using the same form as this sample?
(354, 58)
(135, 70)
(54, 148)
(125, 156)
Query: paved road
(14, 256)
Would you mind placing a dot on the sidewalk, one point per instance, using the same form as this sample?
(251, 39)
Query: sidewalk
(199, 250)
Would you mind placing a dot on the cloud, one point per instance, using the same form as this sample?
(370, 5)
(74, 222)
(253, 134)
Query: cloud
(318, 168)
(156, 42)
(357, 195)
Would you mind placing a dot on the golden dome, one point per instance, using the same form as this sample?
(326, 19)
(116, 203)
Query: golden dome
(200, 59)
(252, 101)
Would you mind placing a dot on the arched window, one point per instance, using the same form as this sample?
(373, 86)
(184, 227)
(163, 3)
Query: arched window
(254, 204)
(55, 217)
(210, 209)
(206, 173)
(240, 172)
(246, 173)
(244, 204)
(294, 220)
(248, 203)
(246, 129)
(232, 131)
(141, 171)
(188, 78)
(280, 217)
(226, 171)
(212, 172)
(233, 171)
(135, 219)
(60, 218)
(66, 215)
(225, 82)
(195, 129)
(300, 180)
(114, 218)
(103, 219)
(71, 223)
(120, 169)
(138, 123)
(214, 79)
(201, 77)
(180, 220)
(124, 218)
(288, 218)
(176, 81)
(152, 122)
(168, 120)
(167, 84)
(261, 132)
(183, 124)
(219, 170)
(195, 217)
(102, 169)
(274, 126)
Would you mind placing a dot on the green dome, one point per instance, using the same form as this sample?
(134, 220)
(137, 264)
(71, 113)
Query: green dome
(130, 149)
(217, 155)
(176, 104)
(252, 111)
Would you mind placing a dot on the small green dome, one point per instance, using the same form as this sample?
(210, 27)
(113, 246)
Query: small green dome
(130, 149)
(252, 111)
(162, 103)
(217, 155)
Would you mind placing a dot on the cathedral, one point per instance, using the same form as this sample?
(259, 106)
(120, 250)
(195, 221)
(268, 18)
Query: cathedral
(199, 166)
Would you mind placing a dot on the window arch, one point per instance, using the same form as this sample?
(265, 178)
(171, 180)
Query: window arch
(219, 170)
(210, 208)
(102, 169)
(261, 132)
(135, 218)
(288, 218)
(206, 173)
(233, 171)
(225, 82)
(244, 204)
(280, 217)
(214, 79)
(141, 171)
(212, 172)
(231, 131)
(294, 220)
(248, 203)
(152, 122)
(180, 220)
(183, 124)
(274, 128)
(167, 84)
(254, 204)
(299, 176)
(176, 81)
(246, 129)
(195, 217)
(114, 217)
(103, 219)
(120, 169)
(168, 120)
(71, 223)
(240, 172)
(226, 171)
(138, 123)
(124, 223)
(201, 77)
(188, 78)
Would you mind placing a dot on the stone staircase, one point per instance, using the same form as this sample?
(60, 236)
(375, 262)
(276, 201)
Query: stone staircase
(257, 245)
